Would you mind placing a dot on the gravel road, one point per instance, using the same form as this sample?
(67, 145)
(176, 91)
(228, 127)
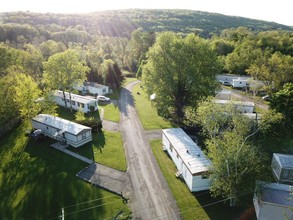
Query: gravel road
(151, 197)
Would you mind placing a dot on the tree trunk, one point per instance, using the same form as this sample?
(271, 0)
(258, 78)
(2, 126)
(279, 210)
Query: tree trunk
(64, 98)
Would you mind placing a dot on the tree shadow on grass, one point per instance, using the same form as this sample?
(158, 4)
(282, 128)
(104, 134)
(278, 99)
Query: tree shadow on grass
(216, 208)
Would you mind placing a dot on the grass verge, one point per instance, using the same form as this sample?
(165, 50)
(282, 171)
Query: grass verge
(189, 207)
(198, 205)
(111, 112)
(106, 148)
(146, 111)
(36, 182)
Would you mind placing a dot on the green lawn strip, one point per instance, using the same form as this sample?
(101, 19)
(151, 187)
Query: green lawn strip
(111, 112)
(37, 181)
(128, 80)
(189, 207)
(108, 150)
(147, 113)
(70, 115)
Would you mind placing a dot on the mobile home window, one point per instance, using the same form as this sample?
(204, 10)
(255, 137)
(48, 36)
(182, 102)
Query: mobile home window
(83, 136)
(171, 148)
(72, 102)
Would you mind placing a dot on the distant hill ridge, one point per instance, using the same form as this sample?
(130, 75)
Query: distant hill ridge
(123, 22)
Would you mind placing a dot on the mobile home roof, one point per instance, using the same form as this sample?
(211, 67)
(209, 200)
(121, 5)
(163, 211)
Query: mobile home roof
(285, 160)
(191, 155)
(75, 97)
(60, 123)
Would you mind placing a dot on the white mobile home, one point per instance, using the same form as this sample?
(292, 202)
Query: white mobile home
(282, 166)
(62, 130)
(93, 88)
(191, 162)
(77, 102)
(239, 82)
(244, 107)
(272, 201)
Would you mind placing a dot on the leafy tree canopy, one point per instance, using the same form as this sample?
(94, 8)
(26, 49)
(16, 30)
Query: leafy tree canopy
(181, 71)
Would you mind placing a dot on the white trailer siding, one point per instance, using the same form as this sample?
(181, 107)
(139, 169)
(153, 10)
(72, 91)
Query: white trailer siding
(60, 129)
(93, 88)
(243, 107)
(77, 102)
(190, 161)
(239, 83)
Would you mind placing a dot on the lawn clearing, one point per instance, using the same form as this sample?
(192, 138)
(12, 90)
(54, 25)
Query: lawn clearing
(108, 150)
(111, 112)
(37, 181)
(147, 113)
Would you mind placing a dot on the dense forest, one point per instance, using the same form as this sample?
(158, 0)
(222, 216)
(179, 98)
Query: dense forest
(120, 23)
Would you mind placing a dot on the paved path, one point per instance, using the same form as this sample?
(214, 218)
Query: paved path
(110, 126)
(107, 178)
(151, 197)
(63, 149)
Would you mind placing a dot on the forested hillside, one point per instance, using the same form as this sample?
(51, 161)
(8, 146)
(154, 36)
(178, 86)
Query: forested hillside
(121, 23)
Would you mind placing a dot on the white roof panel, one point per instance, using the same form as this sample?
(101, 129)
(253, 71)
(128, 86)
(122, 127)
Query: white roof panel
(60, 123)
(193, 157)
(275, 193)
(285, 160)
(75, 97)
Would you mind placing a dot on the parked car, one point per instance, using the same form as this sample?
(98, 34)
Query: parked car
(103, 98)
(225, 83)
(266, 98)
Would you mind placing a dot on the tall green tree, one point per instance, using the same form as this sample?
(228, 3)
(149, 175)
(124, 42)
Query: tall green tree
(63, 70)
(282, 102)
(181, 71)
(26, 96)
(236, 161)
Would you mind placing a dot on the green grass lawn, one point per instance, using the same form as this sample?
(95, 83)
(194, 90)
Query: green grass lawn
(36, 182)
(147, 113)
(191, 205)
(70, 115)
(128, 80)
(106, 148)
(111, 112)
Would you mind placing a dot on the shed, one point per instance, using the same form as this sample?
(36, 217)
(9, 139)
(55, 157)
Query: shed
(191, 162)
(273, 201)
(77, 102)
(62, 130)
(282, 166)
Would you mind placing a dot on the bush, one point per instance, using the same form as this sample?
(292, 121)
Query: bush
(95, 124)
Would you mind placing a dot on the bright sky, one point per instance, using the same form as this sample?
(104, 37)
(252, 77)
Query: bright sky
(279, 11)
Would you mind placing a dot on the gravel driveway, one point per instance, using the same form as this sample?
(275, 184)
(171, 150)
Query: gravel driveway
(151, 197)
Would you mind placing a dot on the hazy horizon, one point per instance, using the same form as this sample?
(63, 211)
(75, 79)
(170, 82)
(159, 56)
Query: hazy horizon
(271, 11)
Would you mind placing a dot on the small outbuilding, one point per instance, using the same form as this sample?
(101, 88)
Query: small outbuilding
(191, 162)
(273, 201)
(62, 130)
(282, 166)
(77, 102)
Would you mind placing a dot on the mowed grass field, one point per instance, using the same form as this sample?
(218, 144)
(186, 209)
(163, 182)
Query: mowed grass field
(147, 113)
(37, 181)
